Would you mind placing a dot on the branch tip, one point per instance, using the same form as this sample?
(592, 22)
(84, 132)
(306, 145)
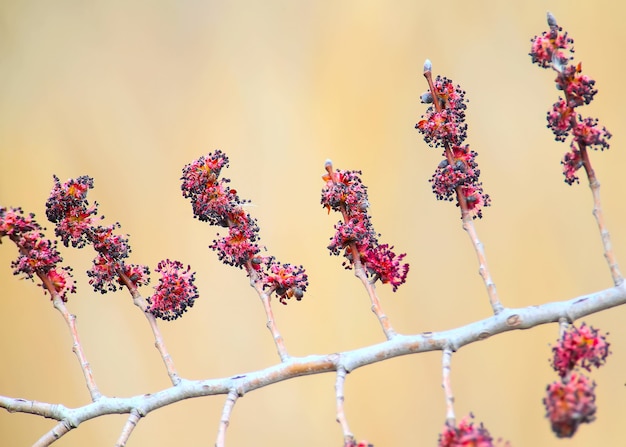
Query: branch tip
(428, 65)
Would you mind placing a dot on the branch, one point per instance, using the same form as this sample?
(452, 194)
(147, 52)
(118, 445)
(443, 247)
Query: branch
(594, 185)
(452, 340)
(359, 272)
(159, 343)
(77, 347)
(279, 341)
(233, 395)
(483, 269)
(348, 437)
(130, 425)
(447, 387)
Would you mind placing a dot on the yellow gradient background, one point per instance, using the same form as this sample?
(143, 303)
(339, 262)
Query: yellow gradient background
(130, 92)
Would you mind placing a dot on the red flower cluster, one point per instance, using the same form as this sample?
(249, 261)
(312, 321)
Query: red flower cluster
(570, 403)
(175, 292)
(213, 201)
(580, 347)
(571, 400)
(345, 193)
(75, 220)
(466, 434)
(37, 255)
(444, 125)
(285, 279)
(554, 49)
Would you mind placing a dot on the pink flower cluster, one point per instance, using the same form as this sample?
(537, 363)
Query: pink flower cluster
(570, 401)
(175, 292)
(554, 49)
(582, 347)
(76, 224)
(443, 125)
(37, 255)
(355, 236)
(467, 434)
(213, 201)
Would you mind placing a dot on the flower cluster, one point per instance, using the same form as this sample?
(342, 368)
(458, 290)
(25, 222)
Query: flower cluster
(76, 224)
(582, 347)
(355, 236)
(213, 201)
(37, 255)
(466, 434)
(554, 49)
(175, 292)
(444, 122)
(570, 401)
(443, 125)
(285, 279)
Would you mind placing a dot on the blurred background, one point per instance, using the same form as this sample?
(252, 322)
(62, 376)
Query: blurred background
(130, 92)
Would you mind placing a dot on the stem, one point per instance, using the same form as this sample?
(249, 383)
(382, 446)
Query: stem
(267, 305)
(77, 347)
(447, 387)
(141, 303)
(53, 435)
(359, 272)
(483, 269)
(348, 437)
(468, 224)
(70, 319)
(131, 423)
(563, 326)
(231, 399)
(594, 185)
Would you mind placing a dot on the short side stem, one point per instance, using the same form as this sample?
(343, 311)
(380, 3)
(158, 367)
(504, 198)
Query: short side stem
(271, 322)
(141, 303)
(359, 272)
(348, 437)
(483, 269)
(594, 185)
(447, 387)
(129, 426)
(231, 399)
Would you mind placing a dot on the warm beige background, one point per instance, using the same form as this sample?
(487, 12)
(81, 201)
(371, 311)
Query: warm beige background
(129, 92)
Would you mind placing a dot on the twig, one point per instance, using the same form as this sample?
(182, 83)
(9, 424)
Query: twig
(359, 272)
(348, 437)
(594, 185)
(563, 326)
(483, 269)
(231, 399)
(468, 224)
(447, 387)
(267, 305)
(141, 303)
(77, 347)
(129, 426)
(53, 435)
(70, 320)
